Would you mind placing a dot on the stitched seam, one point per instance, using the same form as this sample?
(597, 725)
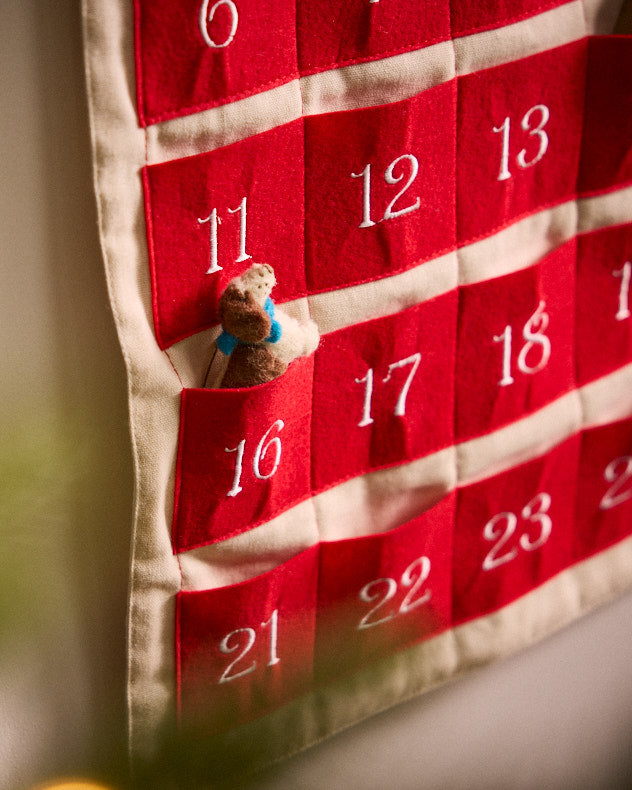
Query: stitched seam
(418, 46)
(514, 220)
(170, 114)
(178, 112)
(181, 549)
(605, 190)
(139, 64)
(391, 273)
(496, 24)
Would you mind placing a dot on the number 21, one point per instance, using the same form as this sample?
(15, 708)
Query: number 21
(233, 642)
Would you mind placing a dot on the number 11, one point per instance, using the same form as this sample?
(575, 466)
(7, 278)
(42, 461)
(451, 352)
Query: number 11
(624, 273)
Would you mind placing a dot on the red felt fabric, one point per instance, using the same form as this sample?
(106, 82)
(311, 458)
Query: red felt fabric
(604, 488)
(380, 593)
(212, 637)
(529, 544)
(267, 170)
(607, 145)
(603, 322)
(332, 34)
(343, 447)
(338, 251)
(540, 359)
(178, 72)
(271, 425)
(492, 189)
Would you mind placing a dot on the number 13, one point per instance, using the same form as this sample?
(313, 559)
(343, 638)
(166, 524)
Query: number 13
(537, 131)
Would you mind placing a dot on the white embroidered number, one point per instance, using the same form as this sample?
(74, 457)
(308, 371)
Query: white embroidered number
(214, 221)
(383, 590)
(260, 455)
(244, 639)
(206, 19)
(618, 472)
(400, 405)
(624, 273)
(236, 487)
(262, 449)
(535, 131)
(535, 512)
(533, 334)
(391, 178)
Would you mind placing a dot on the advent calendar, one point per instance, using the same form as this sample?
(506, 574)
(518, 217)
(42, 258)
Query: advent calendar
(446, 189)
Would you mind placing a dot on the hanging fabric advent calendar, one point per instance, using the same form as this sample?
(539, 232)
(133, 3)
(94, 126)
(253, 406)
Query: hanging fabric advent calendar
(446, 189)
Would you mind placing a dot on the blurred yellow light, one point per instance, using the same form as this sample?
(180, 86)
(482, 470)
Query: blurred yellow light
(73, 784)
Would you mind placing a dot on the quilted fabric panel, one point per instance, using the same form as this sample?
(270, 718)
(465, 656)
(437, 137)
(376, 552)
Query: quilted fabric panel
(440, 187)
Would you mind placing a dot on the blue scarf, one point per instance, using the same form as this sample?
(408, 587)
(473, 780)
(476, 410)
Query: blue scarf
(227, 342)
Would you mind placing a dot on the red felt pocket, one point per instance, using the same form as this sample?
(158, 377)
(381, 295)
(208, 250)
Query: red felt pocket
(383, 391)
(385, 592)
(515, 350)
(243, 457)
(607, 144)
(380, 188)
(248, 648)
(518, 138)
(603, 324)
(332, 34)
(514, 531)
(209, 217)
(195, 54)
(604, 488)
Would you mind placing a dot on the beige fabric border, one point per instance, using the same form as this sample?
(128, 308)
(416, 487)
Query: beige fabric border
(153, 385)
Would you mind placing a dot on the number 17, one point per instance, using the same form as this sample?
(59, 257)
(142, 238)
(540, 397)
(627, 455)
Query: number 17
(400, 405)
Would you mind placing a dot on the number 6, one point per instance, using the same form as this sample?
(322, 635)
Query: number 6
(206, 17)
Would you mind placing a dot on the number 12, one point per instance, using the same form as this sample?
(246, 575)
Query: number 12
(390, 178)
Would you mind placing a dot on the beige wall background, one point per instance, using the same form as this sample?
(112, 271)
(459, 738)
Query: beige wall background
(556, 716)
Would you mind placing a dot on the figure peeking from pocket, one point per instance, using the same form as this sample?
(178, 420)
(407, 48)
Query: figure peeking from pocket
(259, 339)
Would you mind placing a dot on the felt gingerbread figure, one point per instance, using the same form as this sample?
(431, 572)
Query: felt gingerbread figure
(259, 339)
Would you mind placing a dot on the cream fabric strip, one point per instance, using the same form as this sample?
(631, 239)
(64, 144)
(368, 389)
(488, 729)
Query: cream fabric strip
(518, 246)
(554, 28)
(153, 385)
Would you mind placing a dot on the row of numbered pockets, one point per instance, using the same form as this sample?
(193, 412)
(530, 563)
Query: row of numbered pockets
(337, 607)
(398, 388)
(202, 53)
(371, 192)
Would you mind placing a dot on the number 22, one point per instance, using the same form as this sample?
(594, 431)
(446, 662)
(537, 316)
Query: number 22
(618, 472)
(369, 593)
